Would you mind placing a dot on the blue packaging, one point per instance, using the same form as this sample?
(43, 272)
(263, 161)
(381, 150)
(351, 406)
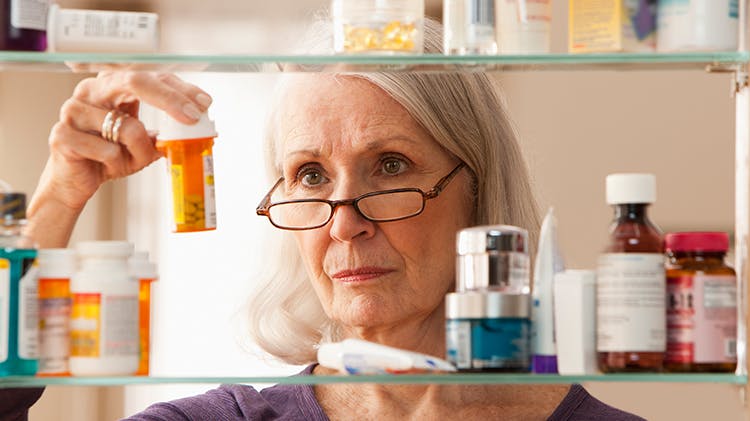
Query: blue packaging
(488, 331)
(19, 322)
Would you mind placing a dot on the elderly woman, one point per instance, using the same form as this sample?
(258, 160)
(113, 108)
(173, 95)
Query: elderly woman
(363, 261)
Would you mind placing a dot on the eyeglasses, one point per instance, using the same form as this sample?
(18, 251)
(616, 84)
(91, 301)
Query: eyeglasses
(379, 206)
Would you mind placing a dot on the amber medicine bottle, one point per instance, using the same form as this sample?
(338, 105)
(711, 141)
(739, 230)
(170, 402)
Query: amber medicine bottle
(56, 267)
(144, 271)
(631, 314)
(189, 153)
(701, 303)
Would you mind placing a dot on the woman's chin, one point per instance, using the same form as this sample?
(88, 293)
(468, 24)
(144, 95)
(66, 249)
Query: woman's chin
(365, 311)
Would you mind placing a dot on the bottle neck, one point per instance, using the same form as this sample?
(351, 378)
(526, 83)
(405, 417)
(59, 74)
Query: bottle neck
(632, 212)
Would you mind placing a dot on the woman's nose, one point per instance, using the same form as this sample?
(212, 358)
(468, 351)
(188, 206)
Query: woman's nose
(347, 224)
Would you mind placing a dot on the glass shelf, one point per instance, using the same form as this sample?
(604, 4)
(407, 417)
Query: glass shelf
(92, 62)
(461, 378)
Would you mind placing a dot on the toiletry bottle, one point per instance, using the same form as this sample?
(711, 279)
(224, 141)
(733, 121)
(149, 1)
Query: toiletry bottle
(469, 27)
(23, 25)
(631, 290)
(19, 311)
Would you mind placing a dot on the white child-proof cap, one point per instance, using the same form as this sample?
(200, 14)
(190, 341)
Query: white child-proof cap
(171, 129)
(106, 249)
(630, 188)
(141, 267)
(59, 262)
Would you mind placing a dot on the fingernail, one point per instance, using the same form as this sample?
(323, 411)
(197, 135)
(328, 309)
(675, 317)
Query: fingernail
(191, 111)
(204, 100)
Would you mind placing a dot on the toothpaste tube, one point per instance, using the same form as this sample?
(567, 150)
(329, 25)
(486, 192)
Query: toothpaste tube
(355, 356)
(548, 262)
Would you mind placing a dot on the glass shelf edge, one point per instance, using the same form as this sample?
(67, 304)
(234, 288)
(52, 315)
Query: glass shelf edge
(473, 378)
(269, 63)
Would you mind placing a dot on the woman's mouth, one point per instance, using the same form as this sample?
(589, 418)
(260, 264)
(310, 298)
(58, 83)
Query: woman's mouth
(362, 274)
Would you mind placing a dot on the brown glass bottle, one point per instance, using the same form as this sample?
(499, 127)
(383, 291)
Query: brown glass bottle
(701, 305)
(631, 320)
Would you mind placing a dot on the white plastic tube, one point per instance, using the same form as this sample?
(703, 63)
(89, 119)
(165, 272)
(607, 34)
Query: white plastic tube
(548, 262)
(575, 318)
(355, 356)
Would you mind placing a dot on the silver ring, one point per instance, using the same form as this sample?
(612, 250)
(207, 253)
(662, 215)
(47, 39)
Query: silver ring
(116, 127)
(107, 125)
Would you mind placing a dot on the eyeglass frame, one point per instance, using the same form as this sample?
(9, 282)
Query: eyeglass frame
(263, 209)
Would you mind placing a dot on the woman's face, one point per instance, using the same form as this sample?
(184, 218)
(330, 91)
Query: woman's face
(342, 137)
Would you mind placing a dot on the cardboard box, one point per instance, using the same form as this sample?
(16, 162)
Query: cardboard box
(611, 26)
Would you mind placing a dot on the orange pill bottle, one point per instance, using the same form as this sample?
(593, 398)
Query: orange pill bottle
(145, 273)
(189, 153)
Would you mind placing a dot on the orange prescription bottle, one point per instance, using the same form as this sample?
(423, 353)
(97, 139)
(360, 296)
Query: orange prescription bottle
(144, 271)
(56, 267)
(190, 165)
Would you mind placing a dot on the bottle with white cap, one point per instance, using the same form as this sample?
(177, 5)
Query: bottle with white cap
(189, 152)
(631, 313)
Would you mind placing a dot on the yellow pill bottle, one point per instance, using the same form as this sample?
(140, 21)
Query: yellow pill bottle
(190, 164)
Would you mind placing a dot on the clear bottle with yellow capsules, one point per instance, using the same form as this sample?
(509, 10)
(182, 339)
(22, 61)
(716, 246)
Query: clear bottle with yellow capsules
(378, 26)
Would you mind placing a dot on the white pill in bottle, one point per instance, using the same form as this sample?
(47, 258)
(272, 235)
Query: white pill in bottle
(104, 314)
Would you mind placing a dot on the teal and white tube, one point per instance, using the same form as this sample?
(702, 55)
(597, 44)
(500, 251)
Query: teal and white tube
(548, 262)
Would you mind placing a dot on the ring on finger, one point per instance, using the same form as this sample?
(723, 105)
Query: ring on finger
(107, 125)
(116, 127)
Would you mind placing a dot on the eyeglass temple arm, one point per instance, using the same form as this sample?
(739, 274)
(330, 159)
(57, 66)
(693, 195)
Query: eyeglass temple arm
(262, 208)
(443, 182)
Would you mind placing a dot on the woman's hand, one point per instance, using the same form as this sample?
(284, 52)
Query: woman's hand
(81, 159)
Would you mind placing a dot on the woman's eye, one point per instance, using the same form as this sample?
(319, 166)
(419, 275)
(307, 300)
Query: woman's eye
(393, 166)
(312, 178)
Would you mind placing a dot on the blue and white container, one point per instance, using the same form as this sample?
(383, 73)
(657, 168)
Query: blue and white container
(488, 331)
(697, 25)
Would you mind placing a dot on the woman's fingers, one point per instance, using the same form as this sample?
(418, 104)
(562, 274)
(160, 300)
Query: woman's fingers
(130, 131)
(183, 101)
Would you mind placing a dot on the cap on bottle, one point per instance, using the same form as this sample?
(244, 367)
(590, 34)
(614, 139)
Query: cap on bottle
(104, 248)
(487, 238)
(630, 188)
(171, 129)
(56, 262)
(12, 205)
(697, 241)
(141, 267)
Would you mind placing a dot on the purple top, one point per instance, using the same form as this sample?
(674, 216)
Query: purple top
(297, 402)
(285, 402)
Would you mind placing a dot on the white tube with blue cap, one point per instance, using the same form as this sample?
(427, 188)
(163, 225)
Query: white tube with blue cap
(548, 262)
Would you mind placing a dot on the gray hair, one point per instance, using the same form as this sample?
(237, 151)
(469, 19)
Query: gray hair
(464, 113)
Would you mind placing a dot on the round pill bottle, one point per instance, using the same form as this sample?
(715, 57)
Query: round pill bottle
(701, 303)
(56, 267)
(190, 164)
(104, 315)
(144, 272)
(378, 26)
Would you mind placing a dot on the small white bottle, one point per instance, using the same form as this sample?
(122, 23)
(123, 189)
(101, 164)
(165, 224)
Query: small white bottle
(104, 316)
(469, 27)
(56, 267)
(523, 26)
(575, 321)
(697, 25)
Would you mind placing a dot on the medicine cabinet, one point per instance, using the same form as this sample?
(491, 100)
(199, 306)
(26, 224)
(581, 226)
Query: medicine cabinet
(732, 65)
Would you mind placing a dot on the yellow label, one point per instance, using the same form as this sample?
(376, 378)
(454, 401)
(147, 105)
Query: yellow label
(178, 193)
(4, 264)
(595, 25)
(85, 325)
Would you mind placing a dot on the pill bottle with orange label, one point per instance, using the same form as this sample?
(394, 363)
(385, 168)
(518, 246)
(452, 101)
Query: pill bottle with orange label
(189, 152)
(701, 303)
(144, 271)
(56, 267)
(104, 314)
